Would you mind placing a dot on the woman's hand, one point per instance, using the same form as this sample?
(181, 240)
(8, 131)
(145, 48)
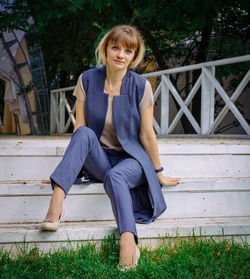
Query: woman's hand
(167, 181)
(46, 181)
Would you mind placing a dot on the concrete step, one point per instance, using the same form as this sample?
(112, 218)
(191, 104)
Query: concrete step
(36, 158)
(190, 199)
(27, 236)
(213, 195)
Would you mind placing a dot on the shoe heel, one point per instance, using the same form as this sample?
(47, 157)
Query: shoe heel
(62, 214)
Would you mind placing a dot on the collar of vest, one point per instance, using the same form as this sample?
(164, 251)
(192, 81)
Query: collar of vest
(124, 81)
(97, 102)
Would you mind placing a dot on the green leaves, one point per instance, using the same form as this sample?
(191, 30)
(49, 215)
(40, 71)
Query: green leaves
(191, 31)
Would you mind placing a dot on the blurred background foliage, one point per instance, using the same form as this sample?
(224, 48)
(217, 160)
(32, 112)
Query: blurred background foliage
(176, 32)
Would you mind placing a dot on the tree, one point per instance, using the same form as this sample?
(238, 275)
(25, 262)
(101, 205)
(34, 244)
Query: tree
(215, 28)
(164, 24)
(177, 32)
(65, 30)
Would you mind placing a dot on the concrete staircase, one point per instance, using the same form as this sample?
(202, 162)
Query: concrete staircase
(213, 198)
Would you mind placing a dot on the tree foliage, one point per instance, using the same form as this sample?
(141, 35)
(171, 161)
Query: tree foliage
(191, 29)
(176, 32)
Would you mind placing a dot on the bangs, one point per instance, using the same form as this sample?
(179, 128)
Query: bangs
(124, 37)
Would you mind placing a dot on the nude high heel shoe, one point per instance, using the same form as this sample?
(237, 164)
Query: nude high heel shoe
(52, 226)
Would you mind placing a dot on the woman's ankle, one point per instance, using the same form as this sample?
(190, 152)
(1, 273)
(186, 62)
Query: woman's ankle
(56, 204)
(129, 236)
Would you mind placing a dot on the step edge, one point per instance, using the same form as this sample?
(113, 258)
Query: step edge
(194, 186)
(159, 220)
(80, 235)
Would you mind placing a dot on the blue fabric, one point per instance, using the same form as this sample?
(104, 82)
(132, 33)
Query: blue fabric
(129, 174)
(148, 200)
(119, 172)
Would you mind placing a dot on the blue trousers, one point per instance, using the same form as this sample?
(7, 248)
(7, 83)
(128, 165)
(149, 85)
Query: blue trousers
(118, 171)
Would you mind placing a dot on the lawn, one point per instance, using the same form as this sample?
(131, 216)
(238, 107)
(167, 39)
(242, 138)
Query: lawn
(182, 258)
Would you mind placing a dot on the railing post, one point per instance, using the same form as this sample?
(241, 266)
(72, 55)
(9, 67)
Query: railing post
(207, 102)
(53, 100)
(164, 107)
(61, 112)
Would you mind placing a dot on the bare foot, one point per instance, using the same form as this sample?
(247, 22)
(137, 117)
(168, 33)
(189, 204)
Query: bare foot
(127, 249)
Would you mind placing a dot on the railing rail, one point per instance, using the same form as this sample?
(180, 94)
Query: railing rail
(206, 81)
(220, 62)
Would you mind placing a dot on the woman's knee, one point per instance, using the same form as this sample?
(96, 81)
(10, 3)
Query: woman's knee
(113, 178)
(84, 132)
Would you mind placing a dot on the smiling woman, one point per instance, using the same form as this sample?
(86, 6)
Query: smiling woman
(126, 36)
(114, 141)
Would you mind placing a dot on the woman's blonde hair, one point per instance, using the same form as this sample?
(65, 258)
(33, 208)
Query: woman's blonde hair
(125, 35)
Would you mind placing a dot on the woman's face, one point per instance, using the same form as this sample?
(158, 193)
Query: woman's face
(118, 56)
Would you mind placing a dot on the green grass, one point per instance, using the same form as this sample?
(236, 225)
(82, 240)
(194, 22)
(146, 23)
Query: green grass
(181, 258)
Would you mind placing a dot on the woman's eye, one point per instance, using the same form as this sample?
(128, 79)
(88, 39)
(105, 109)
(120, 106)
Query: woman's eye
(129, 51)
(114, 47)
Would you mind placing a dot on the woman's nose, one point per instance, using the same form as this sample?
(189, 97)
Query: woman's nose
(120, 53)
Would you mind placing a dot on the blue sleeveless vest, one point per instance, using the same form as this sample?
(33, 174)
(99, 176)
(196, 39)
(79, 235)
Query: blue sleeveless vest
(148, 200)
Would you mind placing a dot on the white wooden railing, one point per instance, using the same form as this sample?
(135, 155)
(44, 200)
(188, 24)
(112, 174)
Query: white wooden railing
(206, 81)
(58, 103)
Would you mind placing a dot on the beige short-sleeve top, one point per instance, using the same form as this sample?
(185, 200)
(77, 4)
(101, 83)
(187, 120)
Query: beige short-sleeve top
(108, 137)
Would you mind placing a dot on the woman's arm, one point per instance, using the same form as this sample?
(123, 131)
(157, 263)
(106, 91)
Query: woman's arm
(149, 142)
(80, 114)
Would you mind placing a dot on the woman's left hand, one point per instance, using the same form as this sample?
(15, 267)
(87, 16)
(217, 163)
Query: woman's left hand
(46, 181)
(166, 180)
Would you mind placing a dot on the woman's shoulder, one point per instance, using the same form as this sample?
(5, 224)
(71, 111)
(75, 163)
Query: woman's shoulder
(138, 80)
(137, 76)
(92, 71)
(90, 75)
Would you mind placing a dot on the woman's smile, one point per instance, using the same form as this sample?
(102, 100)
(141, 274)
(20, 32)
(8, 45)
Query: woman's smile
(119, 61)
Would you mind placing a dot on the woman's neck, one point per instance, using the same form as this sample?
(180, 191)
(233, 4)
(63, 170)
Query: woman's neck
(114, 78)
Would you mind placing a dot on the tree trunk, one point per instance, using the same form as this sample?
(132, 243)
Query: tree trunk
(151, 41)
(200, 57)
